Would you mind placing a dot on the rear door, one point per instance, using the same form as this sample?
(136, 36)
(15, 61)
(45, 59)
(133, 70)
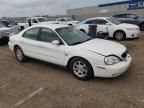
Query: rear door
(29, 42)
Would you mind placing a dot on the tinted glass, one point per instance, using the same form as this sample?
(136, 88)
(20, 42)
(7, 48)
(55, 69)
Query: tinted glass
(31, 34)
(48, 35)
(90, 22)
(114, 20)
(100, 21)
(63, 20)
(35, 21)
(29, 20)
(120, 16)
(72, 36)
(131, 16)
(42, 19)
(6, 23)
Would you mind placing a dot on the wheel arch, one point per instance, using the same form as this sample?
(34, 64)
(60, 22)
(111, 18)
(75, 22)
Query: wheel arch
(70, 59)
(16, 45)
(118, 31)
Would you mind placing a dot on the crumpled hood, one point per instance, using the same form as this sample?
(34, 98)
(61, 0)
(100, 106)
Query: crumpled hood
(128, 25)
(103, 47)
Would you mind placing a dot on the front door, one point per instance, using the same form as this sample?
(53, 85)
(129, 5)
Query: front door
(48, 51)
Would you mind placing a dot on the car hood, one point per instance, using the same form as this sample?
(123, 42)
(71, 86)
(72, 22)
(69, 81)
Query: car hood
(74, 22)
(103, 47)
(128, 25)
(4, 28)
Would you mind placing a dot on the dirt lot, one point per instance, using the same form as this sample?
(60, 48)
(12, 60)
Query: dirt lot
(37, 84)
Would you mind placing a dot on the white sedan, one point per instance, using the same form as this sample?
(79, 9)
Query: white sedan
(66, 46)
(67, 20)
(116, 29)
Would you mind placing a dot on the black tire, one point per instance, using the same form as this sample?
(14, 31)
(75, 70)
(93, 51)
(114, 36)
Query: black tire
(70, 25)
(81, 69)
(19, 54)
(142, 27)
(120, 35)
(83, 31)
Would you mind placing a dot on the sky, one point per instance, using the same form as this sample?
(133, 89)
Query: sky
(18, 8)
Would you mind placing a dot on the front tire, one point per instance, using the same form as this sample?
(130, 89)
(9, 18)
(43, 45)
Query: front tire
(81, 69)
(19, 54)
(119, 35)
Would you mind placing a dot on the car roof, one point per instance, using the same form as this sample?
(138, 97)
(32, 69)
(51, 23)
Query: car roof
(51, 26)
(99, 18)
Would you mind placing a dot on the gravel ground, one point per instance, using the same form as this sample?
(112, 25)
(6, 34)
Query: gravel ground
(37, 84)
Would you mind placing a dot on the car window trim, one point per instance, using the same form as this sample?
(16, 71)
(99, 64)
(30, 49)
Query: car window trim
(38, 38)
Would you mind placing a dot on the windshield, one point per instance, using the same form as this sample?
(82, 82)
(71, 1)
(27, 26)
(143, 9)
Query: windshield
(42, 19)
(2, 25)
(69, 19)
(72, 36)
(114, 20)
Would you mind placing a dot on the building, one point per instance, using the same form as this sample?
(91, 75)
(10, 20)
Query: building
(130, 6)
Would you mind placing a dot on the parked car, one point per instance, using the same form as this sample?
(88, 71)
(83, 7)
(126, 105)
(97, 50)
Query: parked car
(22, 24)
(67, 21)
(67, 46)
(38, 20)
(6, 30)
(115, 28)
(132, 19)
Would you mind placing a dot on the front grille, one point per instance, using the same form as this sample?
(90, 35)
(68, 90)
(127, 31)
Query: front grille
(4, 33)
(124, 55)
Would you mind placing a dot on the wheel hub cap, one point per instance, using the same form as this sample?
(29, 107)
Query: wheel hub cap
(80, 69)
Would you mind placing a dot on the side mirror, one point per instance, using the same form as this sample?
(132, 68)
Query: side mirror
(108, 24)
(9, 25)
(55, 42)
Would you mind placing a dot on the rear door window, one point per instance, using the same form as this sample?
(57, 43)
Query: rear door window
(32, 34)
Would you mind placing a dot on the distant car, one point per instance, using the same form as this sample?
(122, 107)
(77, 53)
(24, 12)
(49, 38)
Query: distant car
(67, 21)
(132, 19)
(22, 24)
(67, 46)
(33, 21)
(115, 28)
(37, 20)
(6, 30)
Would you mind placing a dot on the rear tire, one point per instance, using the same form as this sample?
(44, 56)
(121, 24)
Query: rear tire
(81, 69)
(119, 35)
(19, 54)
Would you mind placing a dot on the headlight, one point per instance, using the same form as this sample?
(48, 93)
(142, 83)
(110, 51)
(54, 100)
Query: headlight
(110, 60)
